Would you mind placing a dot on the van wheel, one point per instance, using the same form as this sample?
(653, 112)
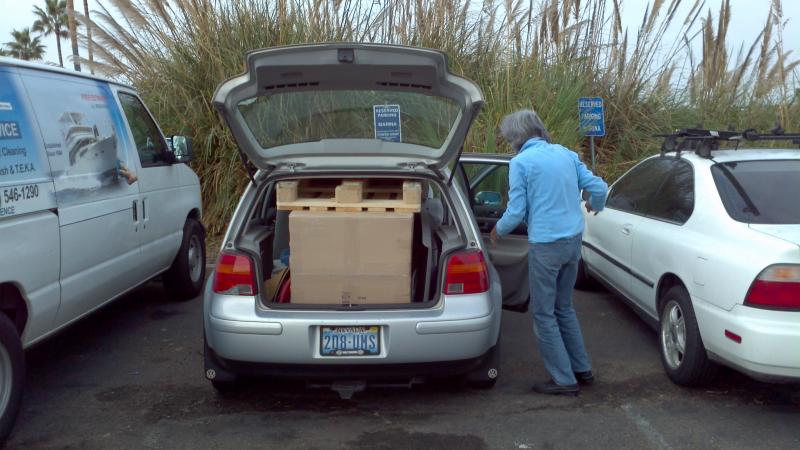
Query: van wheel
(12, 375)
(185, 277)
(584, 281)
(682, 351)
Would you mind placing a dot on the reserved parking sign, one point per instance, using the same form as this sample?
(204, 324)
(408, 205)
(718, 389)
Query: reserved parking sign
(591, 116)
(387, 122)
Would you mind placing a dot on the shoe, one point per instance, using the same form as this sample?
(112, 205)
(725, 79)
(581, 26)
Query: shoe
(585, 378)
(551, 388)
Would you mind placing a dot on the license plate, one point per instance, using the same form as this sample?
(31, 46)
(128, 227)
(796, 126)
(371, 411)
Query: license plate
(350, 341)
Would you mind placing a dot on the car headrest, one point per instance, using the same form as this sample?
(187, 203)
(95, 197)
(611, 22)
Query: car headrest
(433, 208)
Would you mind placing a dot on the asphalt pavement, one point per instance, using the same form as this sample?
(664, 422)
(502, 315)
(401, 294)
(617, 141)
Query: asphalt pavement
(131, 376)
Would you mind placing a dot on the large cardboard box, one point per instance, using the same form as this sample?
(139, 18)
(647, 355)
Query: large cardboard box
(350, 257)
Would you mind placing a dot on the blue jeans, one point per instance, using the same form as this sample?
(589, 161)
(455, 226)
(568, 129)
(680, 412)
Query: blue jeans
(553, 267)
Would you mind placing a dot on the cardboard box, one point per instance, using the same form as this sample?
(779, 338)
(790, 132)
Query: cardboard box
(350, 257)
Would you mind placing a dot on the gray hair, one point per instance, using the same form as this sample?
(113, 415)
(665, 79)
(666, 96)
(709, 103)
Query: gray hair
(522, 125)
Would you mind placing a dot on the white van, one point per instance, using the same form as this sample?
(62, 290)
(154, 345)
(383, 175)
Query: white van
(94, 202)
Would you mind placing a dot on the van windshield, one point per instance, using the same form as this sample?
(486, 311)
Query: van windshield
(308, 116)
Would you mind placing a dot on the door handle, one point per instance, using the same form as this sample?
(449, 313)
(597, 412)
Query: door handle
(135, 212)
(626, 229)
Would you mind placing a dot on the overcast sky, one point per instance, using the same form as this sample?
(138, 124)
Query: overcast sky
(747, 20)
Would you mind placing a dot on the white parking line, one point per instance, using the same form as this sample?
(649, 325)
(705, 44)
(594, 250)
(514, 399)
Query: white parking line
(645, 427)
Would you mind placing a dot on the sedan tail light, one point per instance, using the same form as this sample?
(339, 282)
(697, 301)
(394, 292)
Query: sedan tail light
(234, 275)
(777, 287)
(466, 274)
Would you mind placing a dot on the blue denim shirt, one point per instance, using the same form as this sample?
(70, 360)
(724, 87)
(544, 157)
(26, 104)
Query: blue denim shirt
(545, 183)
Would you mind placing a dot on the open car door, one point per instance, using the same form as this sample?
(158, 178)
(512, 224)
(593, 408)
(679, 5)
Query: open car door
(485, 178)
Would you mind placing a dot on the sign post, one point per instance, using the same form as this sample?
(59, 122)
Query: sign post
(591, 117)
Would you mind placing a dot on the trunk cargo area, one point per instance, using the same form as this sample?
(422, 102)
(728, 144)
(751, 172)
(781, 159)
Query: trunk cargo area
(350, 257)
(345, 243)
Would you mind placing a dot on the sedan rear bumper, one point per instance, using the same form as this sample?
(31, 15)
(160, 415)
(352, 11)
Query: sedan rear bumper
(769, 340)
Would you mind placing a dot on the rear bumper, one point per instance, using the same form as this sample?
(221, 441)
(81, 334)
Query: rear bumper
(770, 340)
(403, 340)
(461, 328)
(227, 368)
(276, 328)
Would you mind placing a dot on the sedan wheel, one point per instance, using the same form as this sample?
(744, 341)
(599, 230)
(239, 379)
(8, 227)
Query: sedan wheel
(673, 334)
(583, 280)
(682, 351)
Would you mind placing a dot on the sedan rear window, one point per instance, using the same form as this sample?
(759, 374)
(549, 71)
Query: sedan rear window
(760, 191)
(308, 116)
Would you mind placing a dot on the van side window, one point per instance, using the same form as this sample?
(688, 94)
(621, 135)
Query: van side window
(149, 143)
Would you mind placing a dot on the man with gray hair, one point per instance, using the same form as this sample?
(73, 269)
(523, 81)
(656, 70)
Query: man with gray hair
(545, 183)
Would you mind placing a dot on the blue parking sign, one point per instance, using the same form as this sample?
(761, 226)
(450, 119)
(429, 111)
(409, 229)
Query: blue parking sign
(387, 122)
(591, 116)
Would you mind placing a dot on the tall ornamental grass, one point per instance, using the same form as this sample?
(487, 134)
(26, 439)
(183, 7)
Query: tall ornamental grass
(542, 54)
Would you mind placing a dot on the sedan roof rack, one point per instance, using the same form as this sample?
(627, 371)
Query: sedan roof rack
(703, 141)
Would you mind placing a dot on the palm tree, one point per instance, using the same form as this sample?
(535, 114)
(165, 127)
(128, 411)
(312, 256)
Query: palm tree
(73, 34)
(52, 19)
(23, 47)
(88, 35)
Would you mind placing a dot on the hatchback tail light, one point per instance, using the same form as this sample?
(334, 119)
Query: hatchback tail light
(234, 275)
(776, 286)
(466, 274)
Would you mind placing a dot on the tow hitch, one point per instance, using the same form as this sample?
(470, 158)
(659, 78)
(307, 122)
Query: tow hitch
(346, 388)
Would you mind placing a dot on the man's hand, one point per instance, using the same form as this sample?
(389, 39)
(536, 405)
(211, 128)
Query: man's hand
(129, 176)
(589, 208)
(493, 237)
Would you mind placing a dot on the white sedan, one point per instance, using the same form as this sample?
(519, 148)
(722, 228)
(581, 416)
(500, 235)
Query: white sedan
(707, 250)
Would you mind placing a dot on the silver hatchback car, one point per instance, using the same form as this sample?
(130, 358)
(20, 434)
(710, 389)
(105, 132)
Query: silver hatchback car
(314, 115)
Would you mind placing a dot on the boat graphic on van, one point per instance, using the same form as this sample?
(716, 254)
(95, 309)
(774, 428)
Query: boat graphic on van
(88, 151)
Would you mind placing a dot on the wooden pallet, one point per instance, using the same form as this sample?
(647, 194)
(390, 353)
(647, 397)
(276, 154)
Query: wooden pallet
(350, 195)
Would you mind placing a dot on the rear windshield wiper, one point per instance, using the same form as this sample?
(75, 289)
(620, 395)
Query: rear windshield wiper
(751, 207)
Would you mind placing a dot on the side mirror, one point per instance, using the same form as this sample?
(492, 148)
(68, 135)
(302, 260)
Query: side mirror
(182, 148)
